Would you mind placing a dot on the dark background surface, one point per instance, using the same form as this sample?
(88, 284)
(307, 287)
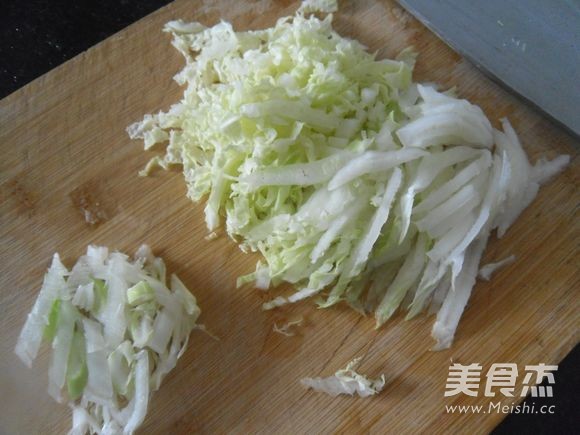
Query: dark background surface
(38, 35)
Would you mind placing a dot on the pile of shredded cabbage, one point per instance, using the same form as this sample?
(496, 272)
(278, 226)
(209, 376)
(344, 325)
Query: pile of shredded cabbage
(353, 182)
(116, 330)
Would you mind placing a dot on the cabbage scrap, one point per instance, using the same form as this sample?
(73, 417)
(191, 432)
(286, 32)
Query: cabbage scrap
(487, 270)
(116, 330)
(354, 183)
(284, 329)
(346, 381)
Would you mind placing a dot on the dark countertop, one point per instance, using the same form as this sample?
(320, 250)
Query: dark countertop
(38, 35)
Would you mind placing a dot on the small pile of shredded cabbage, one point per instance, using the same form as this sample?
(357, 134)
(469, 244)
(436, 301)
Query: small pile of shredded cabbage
(352, 181)
(116, 330)
(346, 381)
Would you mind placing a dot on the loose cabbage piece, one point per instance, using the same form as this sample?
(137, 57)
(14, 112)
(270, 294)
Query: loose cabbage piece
(489, 269)
(284, 329)
(116, 330)
(355, 184)
(346, 381)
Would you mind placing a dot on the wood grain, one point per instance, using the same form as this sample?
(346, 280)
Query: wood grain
(65, 152)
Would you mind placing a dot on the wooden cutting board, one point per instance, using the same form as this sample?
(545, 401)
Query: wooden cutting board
(65, 152)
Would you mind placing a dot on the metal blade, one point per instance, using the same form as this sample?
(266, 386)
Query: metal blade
(532, 46)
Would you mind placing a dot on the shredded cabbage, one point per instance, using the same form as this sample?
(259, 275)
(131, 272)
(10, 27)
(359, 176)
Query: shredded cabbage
(487, 270)
(116, 330)
(284, 329)
(346, 381)
(353, 182)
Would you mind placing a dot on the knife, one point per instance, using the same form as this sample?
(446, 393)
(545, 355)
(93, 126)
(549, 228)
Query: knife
(532, 47)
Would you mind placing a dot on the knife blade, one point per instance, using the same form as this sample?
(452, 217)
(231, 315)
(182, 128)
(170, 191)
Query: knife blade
(532, 47)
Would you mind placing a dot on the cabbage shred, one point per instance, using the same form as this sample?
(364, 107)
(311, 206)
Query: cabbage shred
(353, 182)
(346, 381)
(116, 330)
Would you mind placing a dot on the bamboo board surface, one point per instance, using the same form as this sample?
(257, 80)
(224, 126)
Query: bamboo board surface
(65, 151)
